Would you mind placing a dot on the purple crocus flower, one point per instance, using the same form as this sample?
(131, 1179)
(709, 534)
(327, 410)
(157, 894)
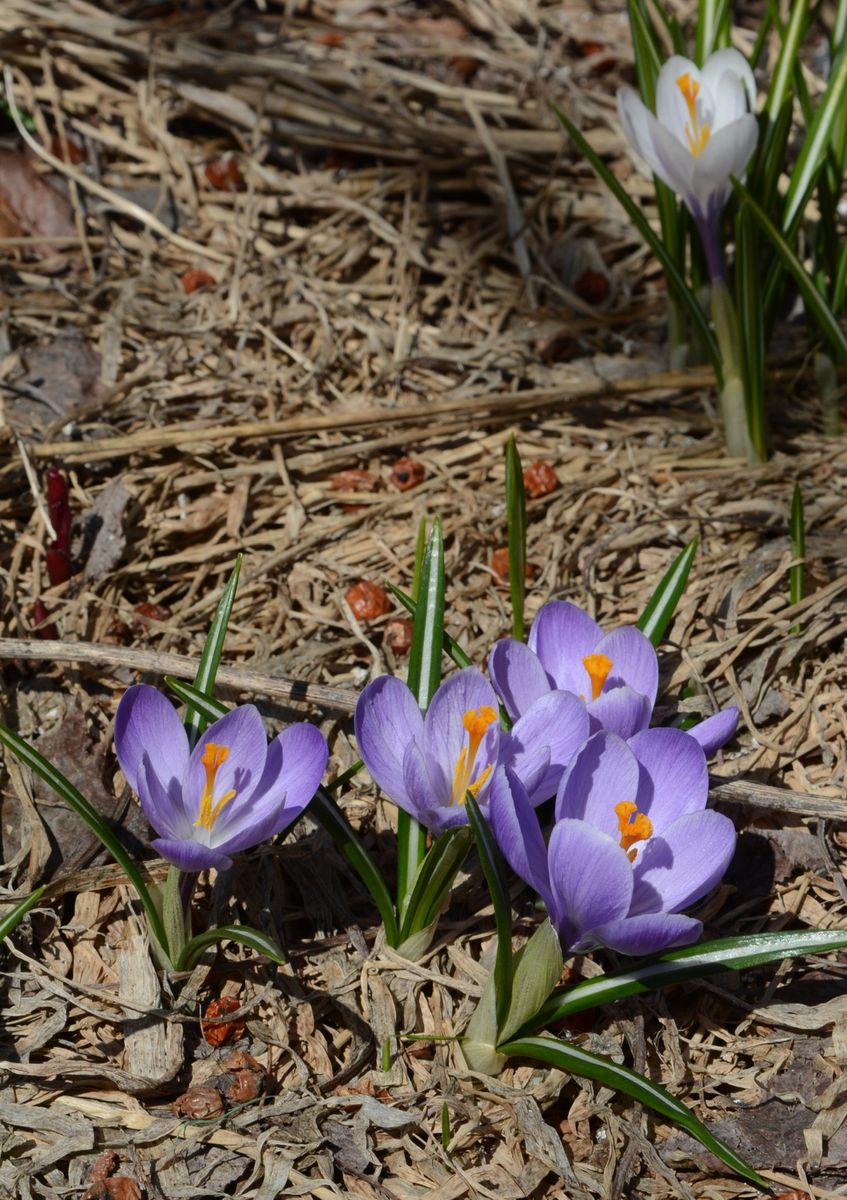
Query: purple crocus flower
(231, 791)
(616, 674)
(426, 763)
(632, 843)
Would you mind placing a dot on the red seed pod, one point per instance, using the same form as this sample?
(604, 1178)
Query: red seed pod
(199, 1103)
(539, 479)
(407, 473)
(500, 566)
(41, 613)
(367, 600)
(148, 611)
(196, 279)
(329, 37)
(398, 635)
(240, 1060)
(57, 555)
(592, 287)
(221, 1032)
(243, 1086)
(354, 479)
(67, 149)
(224, 174)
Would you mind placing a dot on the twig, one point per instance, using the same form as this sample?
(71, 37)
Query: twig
(279, 687)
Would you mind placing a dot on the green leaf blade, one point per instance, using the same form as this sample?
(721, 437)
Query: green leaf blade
(583, 1063)
(661, 606)
(496, 877)
(12, 919)
(210, 659)
(75, 800)
(245, 935)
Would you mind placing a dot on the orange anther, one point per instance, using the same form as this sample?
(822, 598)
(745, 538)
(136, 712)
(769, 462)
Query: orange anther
(598, 667)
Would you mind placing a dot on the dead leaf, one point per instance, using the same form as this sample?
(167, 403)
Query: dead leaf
(105, 526)
(62, 378)
(30, 206)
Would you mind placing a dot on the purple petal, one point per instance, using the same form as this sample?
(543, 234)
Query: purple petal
(648, 933)
(387, 719)
(163, 809)
(518, 676)
(419, 795)
(590, 878)
(518, 833)
(562, 635)
(242, 733)
(715, 731)
(550, 732)
(444, 732)
(147, 723)
(295, 763)
(690, 857)
(634, 662)
(673, 778)
(602, 774)
(621, 711)
(191, 856)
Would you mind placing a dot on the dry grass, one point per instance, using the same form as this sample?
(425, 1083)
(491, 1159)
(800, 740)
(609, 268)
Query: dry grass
(398, 276)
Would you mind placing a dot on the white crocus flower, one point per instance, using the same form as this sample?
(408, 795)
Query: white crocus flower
(704, 131)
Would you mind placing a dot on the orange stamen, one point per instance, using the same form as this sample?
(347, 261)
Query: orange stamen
(598, 667)
(633, 826)
(213, 758)
(476, 722)
(697, 134)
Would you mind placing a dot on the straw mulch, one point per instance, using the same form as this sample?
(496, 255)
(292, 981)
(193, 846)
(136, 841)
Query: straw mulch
(406, 260)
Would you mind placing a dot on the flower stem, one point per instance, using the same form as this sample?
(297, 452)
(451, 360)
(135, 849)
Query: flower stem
(732, 398)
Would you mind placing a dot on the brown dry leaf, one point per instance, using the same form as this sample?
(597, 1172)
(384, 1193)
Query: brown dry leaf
(105, 522)
(30, 206)
(62, 379)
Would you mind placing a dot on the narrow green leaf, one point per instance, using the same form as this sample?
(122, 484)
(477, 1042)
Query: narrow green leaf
(434, 880)
(662, 604)
(209, 708)
(496, 877)
(516, 521)
(445, 1125)
(324, 809)
(647, 51)
(692, 962)
(675, 278)
(812, 298)
(344, 778)
(583, 1063)
(254, 939)
(797, 573)
(712, 28)
(428, 637)
(816, 140)
(452, 648)
(207, 668)
(423, 678)
(792, 39)
(751, 327)
(66, 791)
(11, 920)
(839, 287)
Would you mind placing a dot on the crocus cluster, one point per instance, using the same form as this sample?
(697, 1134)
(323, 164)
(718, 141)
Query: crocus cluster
(632, 843)
(231, 792)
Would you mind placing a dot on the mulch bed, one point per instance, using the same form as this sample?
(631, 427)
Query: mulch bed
(403, 260)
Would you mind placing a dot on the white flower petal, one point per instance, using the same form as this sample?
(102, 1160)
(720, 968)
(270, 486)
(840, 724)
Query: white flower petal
(665, 156)
(727, 153)
(671, 106)
(729, 83)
